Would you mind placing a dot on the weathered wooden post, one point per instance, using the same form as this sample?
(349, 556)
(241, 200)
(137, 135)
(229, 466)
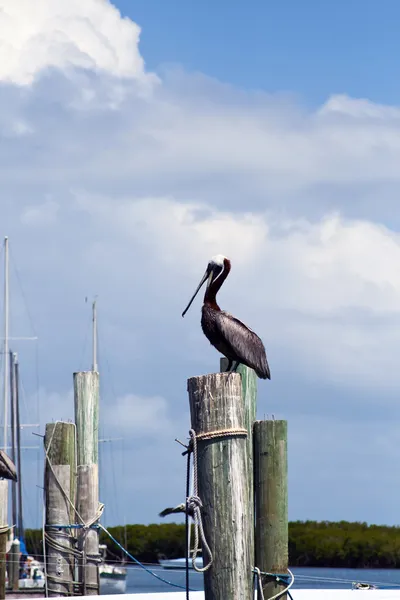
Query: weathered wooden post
(4, 483)
(218, 419)
(60, 476)
(249, 392)
(271, 502)
(3, 534)
(86, 393)
(13, 565)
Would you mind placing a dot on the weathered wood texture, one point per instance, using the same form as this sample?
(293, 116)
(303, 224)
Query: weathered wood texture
(4, 502)
(13, 565)
(3, 549)
(271, 500)
(59, 485)
(249, 392)
(86, 390)
(216, 403)
(86, 395)
(3, 536)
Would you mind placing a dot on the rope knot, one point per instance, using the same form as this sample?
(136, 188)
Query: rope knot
(194, 503)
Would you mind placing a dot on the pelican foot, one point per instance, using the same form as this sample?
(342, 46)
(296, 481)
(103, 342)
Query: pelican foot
(229, 366)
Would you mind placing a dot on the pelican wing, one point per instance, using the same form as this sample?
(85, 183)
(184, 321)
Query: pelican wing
(243, 343)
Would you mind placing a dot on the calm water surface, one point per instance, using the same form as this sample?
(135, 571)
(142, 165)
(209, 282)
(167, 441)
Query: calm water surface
(140, 581)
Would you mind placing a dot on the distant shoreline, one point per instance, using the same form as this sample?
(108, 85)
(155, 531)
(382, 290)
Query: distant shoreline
(326, 544)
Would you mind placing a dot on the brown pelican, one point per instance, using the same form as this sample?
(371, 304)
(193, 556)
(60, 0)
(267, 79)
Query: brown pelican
(181, 508)
(7, 467)
(227, 334)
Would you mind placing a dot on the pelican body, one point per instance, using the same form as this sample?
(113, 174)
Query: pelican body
(225, 332)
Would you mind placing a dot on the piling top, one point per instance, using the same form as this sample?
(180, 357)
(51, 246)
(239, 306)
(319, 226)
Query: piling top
(216, 401)
(60, 442)
(212, 379)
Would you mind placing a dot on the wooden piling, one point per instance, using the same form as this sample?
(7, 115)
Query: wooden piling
(3, 534)
(86, 393)
(13, 565)
(216, 404)
(60, 463)
(271, 502)
(249, 392)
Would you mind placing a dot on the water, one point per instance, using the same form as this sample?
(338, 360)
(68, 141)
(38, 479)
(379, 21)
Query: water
(305, 577)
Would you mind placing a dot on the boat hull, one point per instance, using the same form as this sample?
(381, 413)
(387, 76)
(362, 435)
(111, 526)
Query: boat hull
(112, 585)
(180, 563)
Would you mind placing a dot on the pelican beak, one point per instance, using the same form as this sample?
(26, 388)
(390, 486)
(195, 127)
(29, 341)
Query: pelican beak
(208, 275)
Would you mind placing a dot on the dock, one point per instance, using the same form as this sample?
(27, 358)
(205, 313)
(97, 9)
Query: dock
(297, 595)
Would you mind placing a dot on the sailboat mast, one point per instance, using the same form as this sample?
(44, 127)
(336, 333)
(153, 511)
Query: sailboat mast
(18, 445)
(6, 333)
(13, 434)
(94, 309)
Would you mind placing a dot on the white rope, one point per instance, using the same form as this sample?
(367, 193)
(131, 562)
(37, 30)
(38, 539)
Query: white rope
(279, 594)
(194, 504)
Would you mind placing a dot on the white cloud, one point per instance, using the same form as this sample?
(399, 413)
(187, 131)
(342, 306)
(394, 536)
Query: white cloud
(112, 191)
(139, 416)
(317, 289)
(129, 414)
(41, 215)
(359, 108)
(90, 35)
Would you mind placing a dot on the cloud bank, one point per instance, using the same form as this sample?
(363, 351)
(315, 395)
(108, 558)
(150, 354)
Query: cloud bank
(123, 183)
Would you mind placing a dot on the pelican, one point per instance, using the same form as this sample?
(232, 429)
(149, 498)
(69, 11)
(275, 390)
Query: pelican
(7, 467)
(181, 508)
(225, 332)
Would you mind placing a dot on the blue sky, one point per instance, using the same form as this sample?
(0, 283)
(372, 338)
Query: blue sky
(135, 147)
(311, 48)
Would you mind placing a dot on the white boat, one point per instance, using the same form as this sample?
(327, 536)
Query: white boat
(33, 577)
(112, 577)
(180, 563)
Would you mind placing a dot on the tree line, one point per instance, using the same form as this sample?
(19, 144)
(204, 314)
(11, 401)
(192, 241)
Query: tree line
(311, 543)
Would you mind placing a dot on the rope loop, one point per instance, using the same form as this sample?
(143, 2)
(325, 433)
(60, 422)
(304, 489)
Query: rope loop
(279, 578)
(194, 502)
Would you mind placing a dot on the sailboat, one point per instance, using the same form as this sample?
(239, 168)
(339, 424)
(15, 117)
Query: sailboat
(31, 574)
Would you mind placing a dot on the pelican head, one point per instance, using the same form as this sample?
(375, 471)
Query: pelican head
(214, 269)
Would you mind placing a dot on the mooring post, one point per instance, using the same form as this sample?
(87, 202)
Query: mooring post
(271, 502)
(86, 393)
(217, 408)
(249, 392)
(59, 443)
(13, 565)
(3, 534)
